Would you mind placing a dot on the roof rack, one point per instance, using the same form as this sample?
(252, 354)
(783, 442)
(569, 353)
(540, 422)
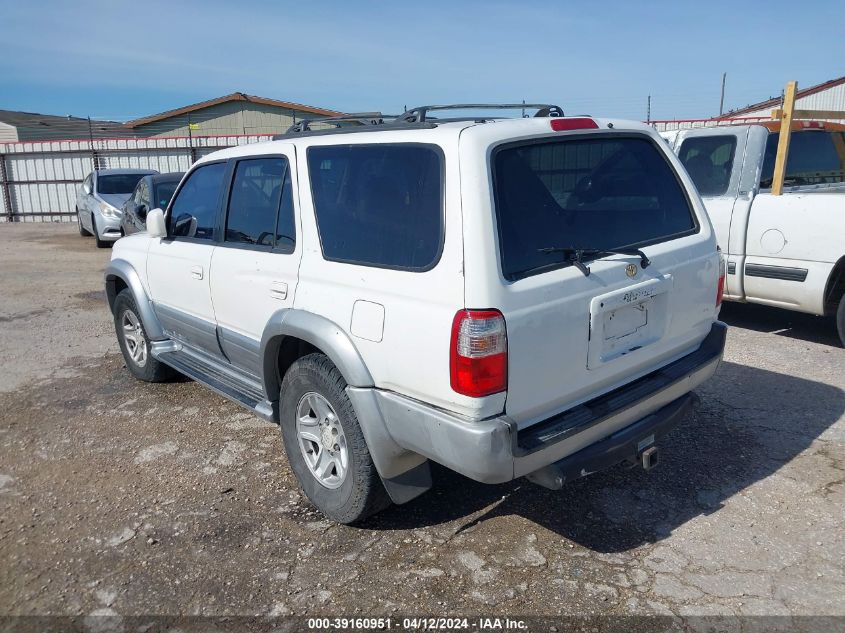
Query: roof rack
(413, 118)
(420, 113)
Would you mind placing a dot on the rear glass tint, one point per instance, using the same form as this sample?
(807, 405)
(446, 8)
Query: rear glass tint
(605, 192)
(378, 205)
(709, 161)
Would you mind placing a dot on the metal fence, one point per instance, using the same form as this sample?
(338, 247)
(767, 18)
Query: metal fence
(39, 180)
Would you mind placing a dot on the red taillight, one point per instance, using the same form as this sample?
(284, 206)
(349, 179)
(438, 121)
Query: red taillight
(574, 123)
(720, 289)
(478, 362)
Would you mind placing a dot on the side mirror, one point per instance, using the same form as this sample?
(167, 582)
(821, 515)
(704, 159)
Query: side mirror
(86, 188)
(155, 223)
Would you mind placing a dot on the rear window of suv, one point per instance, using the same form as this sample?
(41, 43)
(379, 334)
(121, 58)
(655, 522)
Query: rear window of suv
(378, 205)
(605, 192)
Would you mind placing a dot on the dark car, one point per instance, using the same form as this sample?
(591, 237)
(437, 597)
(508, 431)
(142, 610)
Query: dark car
(151, 192)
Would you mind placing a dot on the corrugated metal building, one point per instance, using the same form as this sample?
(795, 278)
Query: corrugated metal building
(30, 126)
(236, 113)
(829, 95)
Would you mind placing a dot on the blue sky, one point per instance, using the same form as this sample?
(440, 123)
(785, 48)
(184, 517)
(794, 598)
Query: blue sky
(121, 60)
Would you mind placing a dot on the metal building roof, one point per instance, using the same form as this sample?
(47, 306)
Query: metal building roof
(775, 102)
(235, 96)
(51, 126)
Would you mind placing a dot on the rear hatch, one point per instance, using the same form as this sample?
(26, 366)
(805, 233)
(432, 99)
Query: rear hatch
(576, 330)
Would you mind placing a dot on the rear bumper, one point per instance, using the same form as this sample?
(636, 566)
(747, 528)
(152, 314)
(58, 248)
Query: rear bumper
(584, 439)
(626, 445)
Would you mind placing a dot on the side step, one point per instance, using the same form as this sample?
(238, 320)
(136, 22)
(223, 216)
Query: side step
(224, 380)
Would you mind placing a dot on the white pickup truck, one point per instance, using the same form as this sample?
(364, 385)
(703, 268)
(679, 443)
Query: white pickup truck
(789, 250)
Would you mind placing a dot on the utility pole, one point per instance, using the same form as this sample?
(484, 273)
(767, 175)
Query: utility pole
(191, 151)
(722, 100)
(91, 140)
(648, 111)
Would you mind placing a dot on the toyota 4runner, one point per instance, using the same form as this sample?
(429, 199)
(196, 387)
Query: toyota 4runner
(509, 297)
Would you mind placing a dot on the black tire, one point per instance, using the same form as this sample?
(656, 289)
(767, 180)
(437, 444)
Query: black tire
(100, 243)
(840, 320)
(82, 230)
(150, 370)
(361, 493)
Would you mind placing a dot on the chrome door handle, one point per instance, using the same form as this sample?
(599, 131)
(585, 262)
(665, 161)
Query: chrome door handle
(196, 272)
(278, 290)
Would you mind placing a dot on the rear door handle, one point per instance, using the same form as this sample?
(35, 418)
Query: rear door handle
(278, 290)
(196, 272)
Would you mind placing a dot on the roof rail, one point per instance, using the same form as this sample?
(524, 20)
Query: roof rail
(362, 118)
(420, 113)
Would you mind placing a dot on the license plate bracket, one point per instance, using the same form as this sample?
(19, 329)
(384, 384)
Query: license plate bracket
(628, 319)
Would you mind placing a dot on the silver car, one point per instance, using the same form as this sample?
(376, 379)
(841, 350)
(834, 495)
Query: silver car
(100, 200)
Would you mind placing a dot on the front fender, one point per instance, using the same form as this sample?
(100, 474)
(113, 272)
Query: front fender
(120, 269)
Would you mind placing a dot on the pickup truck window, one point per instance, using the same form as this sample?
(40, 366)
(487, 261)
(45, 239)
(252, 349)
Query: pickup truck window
(709, 161)
(815, 157)
(378, 205)
(602, 193)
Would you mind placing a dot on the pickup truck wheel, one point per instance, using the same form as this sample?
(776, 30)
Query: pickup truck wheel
(82, 230)
(840, 320)
(324, 443)
(100, 243)
(134, 342)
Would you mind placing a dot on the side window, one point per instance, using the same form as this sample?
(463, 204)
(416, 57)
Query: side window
(163, 194)
(709, 161)
(815, 157)
(254, 201)
(194, 211)
(141, 196)
(378, 205)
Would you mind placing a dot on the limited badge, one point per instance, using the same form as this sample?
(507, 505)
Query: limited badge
(631, 270)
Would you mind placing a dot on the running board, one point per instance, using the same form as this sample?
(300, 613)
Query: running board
(224, 380)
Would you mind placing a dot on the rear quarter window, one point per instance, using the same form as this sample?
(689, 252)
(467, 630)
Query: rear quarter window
(379, 205)
(599, 192)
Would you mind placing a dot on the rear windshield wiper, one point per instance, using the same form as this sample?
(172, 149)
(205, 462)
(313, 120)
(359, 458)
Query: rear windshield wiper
(576, 256)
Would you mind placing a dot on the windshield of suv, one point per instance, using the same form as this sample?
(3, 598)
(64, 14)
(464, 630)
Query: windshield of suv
(601, 193)
(118, 183)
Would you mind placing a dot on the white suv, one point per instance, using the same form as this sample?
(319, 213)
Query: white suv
(506, 297)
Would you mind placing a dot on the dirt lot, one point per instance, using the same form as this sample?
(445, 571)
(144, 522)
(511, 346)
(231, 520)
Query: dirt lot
(119, 497)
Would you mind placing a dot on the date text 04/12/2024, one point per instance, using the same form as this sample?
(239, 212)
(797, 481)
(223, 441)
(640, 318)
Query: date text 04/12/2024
(416, 623)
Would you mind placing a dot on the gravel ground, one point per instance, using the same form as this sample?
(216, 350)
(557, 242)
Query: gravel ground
(119, 497)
